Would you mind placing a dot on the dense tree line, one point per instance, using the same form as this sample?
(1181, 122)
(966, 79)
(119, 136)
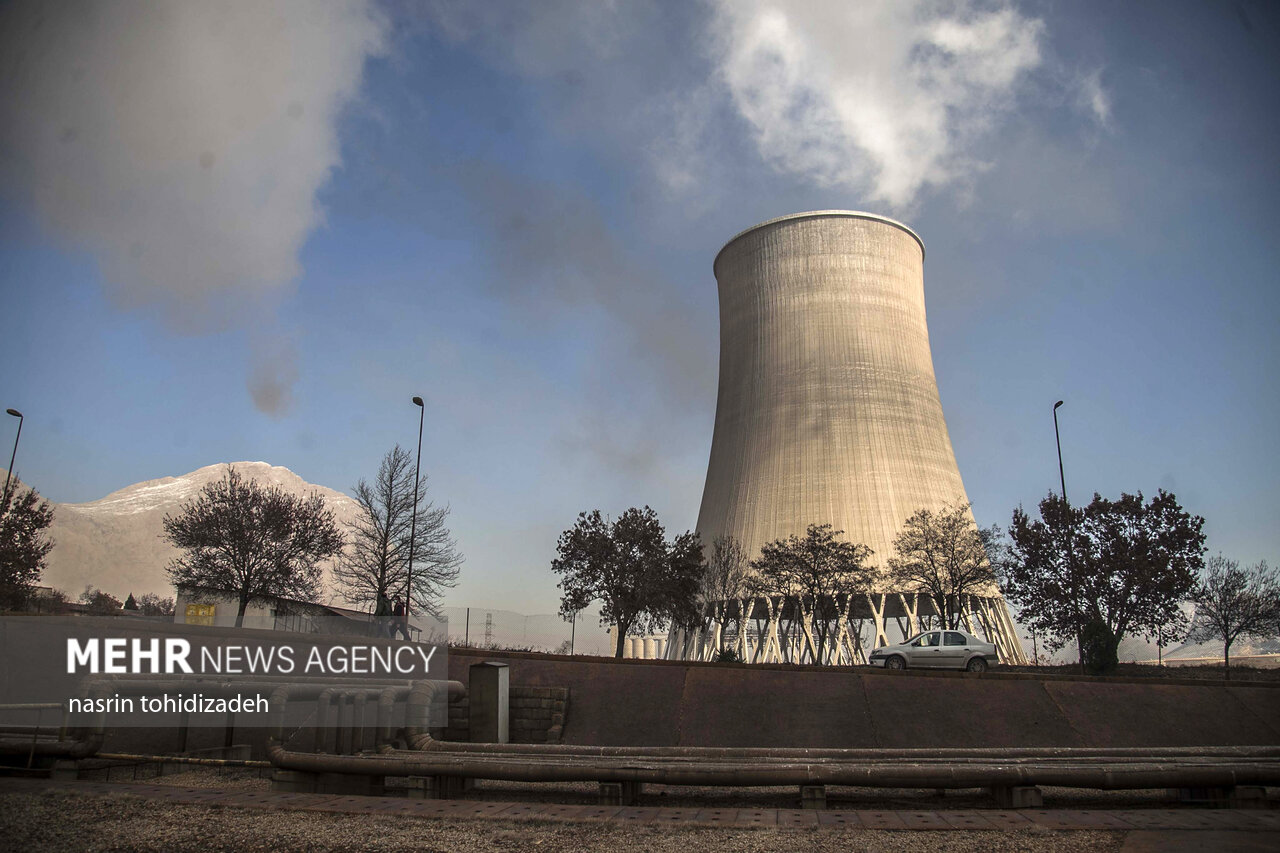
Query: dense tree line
(1090, 575)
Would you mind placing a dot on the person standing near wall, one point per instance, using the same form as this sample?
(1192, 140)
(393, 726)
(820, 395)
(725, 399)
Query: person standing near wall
(401, 621)
(381, 615)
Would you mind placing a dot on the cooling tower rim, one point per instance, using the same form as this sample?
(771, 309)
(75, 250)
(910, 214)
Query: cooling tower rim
(814, 214)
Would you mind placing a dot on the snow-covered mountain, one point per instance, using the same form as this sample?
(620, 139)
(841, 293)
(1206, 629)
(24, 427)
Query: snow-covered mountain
(116, 543)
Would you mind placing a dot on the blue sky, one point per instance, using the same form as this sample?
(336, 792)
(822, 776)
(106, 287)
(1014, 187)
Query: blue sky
(253, 232)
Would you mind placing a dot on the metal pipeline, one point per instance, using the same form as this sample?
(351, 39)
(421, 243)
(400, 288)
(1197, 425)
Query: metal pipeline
(82, 747)
(418, 707)
(423, 742)
(1103, 768)
(349, 702)
(357, 719)
(686, 770)
(26, 729)
(80, 742)
(354, 691)
(386, 706)
(183, 759)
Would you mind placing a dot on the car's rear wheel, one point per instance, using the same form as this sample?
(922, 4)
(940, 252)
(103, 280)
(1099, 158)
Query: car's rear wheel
(977, 665)
(895, 662)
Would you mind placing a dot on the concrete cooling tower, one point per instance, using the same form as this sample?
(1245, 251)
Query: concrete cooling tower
(827, 413)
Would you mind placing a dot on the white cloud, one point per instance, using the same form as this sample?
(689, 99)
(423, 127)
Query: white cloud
(182, 144)
(884, 97)
(1094, 99)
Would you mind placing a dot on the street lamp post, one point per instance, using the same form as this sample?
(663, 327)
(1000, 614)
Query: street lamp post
(413, 524)
(4, 505)
(1058, 439)
(1062, 480)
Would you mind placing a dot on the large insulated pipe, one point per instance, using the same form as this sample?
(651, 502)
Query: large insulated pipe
(386, 695)
(81, 747)
(418, 708)
(1106, 774)
(419, 697)
(867, 754)
(84, 741)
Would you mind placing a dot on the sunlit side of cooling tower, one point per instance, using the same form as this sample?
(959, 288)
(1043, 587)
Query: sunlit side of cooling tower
(828, 409)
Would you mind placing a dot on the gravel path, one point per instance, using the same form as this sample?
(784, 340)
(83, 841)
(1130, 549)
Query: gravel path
(57, 820)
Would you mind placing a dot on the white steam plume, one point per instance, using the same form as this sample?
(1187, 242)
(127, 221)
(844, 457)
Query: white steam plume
(182, 144)
(885, 97)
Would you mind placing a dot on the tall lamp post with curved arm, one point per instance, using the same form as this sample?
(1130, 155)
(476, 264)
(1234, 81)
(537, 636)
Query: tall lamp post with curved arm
(413, 524)
(4, 505)
(1062, 480)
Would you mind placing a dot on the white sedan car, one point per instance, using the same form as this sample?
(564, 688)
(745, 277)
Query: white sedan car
(937, 650)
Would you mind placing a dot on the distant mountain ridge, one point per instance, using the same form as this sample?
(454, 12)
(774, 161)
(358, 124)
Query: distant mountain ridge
(115, 543)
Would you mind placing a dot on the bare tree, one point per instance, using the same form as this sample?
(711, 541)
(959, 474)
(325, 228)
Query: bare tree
(818, 570)
(944, 555)
(377, 561)
(726, 576)
(256, 542)
(1232, 602)
(727, 570)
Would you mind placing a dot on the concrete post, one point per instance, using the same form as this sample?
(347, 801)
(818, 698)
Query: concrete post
(620, 793)
(813, 796)
(489, 695)
(1017, 796)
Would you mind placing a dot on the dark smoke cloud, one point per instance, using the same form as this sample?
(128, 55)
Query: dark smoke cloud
(273, 370)
(551, 246)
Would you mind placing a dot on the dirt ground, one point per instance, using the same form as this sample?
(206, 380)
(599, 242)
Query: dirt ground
(54, 820)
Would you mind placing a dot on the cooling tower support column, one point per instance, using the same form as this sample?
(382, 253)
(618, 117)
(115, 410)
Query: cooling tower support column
(827, 413)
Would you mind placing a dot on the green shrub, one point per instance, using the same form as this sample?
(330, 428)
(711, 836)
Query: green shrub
(1100, 647)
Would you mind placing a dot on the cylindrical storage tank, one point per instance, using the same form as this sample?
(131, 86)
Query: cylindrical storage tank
(828, 409)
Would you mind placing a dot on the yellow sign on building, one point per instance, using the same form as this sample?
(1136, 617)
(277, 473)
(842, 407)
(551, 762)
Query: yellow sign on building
(201, 614)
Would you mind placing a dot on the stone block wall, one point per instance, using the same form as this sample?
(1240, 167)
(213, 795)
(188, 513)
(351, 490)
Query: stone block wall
(537, 715)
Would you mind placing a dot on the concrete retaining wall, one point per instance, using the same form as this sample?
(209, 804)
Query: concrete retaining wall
(674, 703)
